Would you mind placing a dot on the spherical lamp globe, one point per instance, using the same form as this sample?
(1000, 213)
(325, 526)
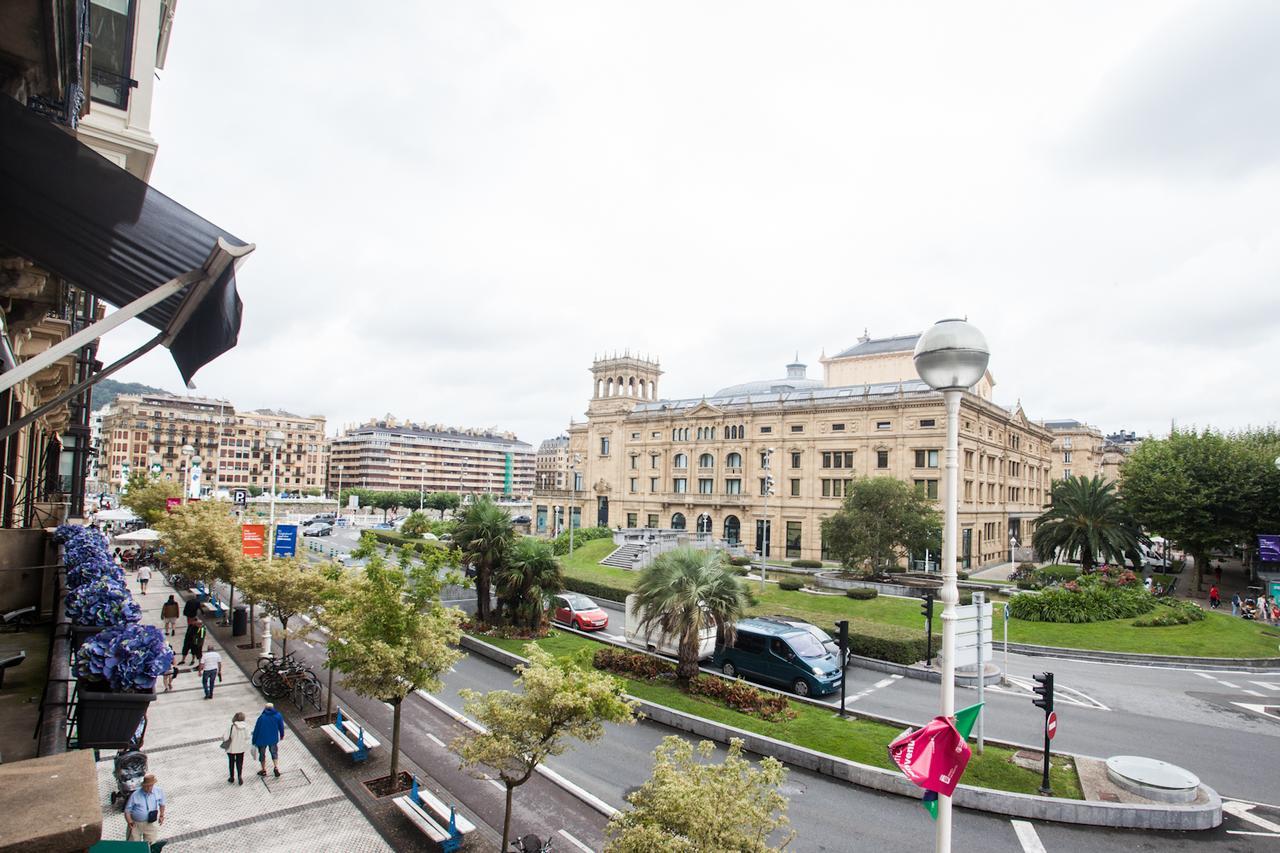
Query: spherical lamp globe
(951, 355)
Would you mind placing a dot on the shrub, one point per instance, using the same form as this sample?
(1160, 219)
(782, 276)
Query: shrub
(101, 603)
(740, 561)
(581, 536)
(893, 570)
(741, 696)
(740, 571)
(790, 584)
(1030, 583)
(1084, 600)
(891, 643)
(964, 576)
(1024, 572)
(591, 589)
(1170, 611)
(1059, 573)
(862, 593)
(807, 564)
(631, 663)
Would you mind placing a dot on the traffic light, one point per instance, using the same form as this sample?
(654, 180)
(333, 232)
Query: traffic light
(768, 484)
(926, 607)
(842, 635)
(1043, 690)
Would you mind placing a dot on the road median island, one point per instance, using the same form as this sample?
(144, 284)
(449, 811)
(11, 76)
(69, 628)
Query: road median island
(855, 749)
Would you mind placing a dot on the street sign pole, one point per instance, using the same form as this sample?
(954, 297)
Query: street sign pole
(1004, 679)
(842, 631)
(979, 600)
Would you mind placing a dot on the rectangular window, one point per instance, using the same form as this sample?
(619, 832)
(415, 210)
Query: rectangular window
(635, 435)
(795, 459)
(705, 487)
(680, 485)
(837, 427)
(653, 485)
(764, 459)
(635, 484)
(793, 539)
(795, 488)
(631, 520)
(883, 424)
(604, 446)
(653, 462)
(1066, 457)
(653, 520)
(765, 430)
(968, 490)
(111, 34)
(968, 460)
(733, 487)
(653, 434)
(765, 485)
(797, 428)
(925, 423)
(635, 462)
(926, 459)
(882, 459)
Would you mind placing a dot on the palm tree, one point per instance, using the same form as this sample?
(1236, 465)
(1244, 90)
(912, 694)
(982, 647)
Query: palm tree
(682, 592)
(527, 579)
(484, 534)
(1085, 517)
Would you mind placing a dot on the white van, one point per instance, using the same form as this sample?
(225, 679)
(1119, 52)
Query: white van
(655, 641)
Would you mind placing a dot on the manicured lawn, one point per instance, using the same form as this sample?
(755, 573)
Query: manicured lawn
(854, 738)
(1219, 635)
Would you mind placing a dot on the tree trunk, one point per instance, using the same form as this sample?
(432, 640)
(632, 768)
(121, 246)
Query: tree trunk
(284, 637)
(482, 594)
(1198, 554)
(231, 601)
(328, 710)
(506, 819)
(395, 741)
(253, 633)
(687, 667)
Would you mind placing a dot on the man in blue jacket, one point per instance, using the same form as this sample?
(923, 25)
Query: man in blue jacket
(268, 731)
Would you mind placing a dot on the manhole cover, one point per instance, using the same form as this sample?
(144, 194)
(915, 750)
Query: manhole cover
(287, 779)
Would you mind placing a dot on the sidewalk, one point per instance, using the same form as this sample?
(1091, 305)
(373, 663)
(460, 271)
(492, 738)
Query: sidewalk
(204, 812)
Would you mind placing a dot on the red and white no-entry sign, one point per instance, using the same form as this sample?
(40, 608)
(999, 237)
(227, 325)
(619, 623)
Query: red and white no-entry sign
(1051, 724)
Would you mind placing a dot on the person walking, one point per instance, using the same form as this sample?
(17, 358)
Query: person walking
(235, 743)
(172, 671)
(191, 610)
(144, 811)
(268, 731)
(1235, 604)
(193, 642)
(170, 612)
(1214, 600)
(144, 577)
(210, 669)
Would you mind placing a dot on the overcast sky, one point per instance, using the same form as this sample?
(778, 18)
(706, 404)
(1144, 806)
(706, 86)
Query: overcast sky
(456, 205)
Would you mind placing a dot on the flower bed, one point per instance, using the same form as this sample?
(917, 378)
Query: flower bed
(1095, 597)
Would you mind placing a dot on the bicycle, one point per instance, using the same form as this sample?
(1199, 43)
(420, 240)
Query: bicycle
(280, 684)
(271, 665)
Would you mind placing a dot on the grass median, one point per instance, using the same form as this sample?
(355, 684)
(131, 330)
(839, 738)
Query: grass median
(820, 729)
(1218, 635)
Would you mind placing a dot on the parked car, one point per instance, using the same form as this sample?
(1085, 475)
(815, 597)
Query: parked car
(828, 641)
(654, 640)
(578, 611)
(384, 525)
(521, 519)
(318, 530)
(766, 651)
(323, 517)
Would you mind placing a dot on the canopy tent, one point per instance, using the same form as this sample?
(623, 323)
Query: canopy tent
(71, 211)
(121, 514)
(146, 534)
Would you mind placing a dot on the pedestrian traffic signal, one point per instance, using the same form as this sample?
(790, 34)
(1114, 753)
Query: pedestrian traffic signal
(842, 634)
(1043, 691)
(926, 607)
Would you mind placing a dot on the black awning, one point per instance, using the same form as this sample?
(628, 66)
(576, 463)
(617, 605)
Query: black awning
(75, 213)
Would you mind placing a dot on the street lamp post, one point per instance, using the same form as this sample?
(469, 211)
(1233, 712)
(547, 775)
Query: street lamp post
(422, 488)
(188, 453)
(340, 467)
(573, 496)
(951, 356)
(764, 529)
(275, 440)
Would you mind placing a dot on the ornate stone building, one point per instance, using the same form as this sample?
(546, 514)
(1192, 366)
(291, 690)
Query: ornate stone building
(699, 464)
(1082, 450)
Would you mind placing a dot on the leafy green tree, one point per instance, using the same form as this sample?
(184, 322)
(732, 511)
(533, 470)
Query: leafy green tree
(202, 542)
(149, 496)
(691, 804)
(558, 701)
(392, 636)
(443, 502)
(882, 519)
(1085, 518)
(484, 533)
(284, 587)
(1195, 488)
(684, 591)
(415, 525)
(255, 491)
(527, 580)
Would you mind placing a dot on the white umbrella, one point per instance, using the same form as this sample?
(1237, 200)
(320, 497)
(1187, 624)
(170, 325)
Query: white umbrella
(146, 534)
(122, 514)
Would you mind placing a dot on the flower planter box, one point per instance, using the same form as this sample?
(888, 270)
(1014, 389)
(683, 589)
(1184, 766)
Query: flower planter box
(80, 633)
(107, 720)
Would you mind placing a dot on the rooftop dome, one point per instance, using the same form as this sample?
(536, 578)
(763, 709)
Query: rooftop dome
(795, 380)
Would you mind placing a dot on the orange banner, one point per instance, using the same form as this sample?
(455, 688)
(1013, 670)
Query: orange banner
(252, 537)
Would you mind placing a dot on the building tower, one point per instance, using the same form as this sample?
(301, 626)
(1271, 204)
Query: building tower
(623, 379)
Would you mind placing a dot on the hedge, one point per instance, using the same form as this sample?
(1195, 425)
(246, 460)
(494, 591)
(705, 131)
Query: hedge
(1172, 611)
(740, 561)
(591, 589)
(806, 564)
(890, 643)
(1092, 603)
(790, 585)
(581, 536)
(861, 593)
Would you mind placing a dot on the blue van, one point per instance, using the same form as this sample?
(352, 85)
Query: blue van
(780, 654)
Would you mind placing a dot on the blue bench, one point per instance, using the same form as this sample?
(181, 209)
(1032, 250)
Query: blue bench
(350, 737)
(427, 811)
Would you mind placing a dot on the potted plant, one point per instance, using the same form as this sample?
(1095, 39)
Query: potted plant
(116, 671)
(99, 604)
(86, 556)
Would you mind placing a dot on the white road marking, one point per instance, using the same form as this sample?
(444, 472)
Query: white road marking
(1204, 675)
(495, 783)
(1251, 802)
(435, 740)
(1262, 834)
(575, 842)
(1027, 836)
(1267, 684)
(1252, 693)
(1064, 693)
(882, 683)
(1229, 684)
(1242, 811)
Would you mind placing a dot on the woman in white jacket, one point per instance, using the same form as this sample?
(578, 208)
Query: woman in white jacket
(236, 743)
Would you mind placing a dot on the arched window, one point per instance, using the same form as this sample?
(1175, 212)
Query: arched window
(706, 460)
(712, 436)
(732, 529)
(644, 394)
(608, 388)
(704, 523)
(733, 460)
(699, 433)
(681, 461)
(677, 521)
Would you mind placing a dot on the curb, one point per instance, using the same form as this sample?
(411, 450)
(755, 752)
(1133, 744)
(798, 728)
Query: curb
(1174, 661)
(1205, 813)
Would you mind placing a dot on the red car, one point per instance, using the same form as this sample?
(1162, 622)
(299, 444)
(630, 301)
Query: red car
(578, 611)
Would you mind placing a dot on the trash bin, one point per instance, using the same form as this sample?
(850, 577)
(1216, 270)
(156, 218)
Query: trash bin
(240, 621)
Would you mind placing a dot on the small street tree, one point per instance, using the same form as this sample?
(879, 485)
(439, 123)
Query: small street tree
(684, 591)
(525, 582)
(202, 542)
(559, 700)
(881, 520)
(691, 805)
(390, 635)
(415, 525)
(1087, 519)
(149, 496)
(484, 534)
(284, 587)
(443, 502)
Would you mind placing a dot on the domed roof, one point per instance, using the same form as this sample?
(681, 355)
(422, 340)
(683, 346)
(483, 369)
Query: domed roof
(795, 380)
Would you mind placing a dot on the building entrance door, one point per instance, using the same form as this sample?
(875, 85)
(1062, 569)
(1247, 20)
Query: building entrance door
(602, 511)
(764, 536)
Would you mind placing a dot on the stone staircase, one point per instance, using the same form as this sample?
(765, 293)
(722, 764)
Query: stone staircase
(624, 557)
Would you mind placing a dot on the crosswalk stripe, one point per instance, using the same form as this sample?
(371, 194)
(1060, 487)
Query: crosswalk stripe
(1027, 836)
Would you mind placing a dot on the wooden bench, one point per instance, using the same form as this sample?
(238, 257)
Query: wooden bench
(442, 825)
(350, 737)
